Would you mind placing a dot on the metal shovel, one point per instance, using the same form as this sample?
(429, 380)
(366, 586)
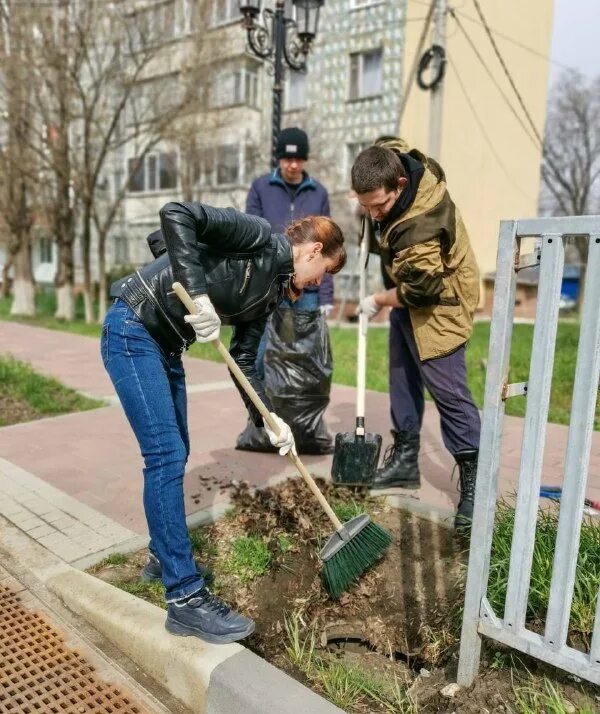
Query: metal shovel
(356, 452)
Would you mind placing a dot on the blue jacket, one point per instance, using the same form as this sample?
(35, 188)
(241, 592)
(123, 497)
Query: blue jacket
(270, 198)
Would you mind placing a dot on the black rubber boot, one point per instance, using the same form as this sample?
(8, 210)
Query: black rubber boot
(400, 463)
(206, 616)
(467, 465)
(152, 571)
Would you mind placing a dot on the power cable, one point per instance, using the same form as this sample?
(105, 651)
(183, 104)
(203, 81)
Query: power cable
(507, 72)
(513, 41)
(415, 66)
(493, 78)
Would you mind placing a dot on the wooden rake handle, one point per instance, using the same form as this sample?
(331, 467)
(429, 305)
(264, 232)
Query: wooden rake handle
(241, 378)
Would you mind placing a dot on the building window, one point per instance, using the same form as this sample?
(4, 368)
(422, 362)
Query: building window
(365, 74)
(296, 91)
(228, 165)
(352, 151)
(233, 87)
(45, 250)
(157, 172)
(355, 4)
(225, 11)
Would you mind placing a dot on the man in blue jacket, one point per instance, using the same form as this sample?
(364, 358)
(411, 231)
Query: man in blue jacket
(283, 196)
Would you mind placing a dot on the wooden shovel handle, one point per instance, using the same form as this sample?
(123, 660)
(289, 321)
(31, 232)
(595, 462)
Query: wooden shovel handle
(241, 378)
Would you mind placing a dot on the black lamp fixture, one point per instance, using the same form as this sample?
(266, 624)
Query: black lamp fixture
(283, 34)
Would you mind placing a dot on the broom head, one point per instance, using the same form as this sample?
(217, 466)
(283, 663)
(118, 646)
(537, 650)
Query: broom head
(351, 552)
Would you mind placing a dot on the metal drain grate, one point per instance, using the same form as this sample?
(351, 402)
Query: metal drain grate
(39, 673)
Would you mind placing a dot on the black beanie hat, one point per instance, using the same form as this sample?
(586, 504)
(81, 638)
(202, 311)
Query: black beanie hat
(292, 143)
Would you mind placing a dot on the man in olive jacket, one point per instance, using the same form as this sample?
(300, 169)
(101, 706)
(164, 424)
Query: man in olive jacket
(432, 285)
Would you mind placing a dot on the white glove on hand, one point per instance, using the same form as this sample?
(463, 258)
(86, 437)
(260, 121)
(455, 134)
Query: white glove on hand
(368, 307)
(284, 441)
(206, 323)
(326, 310)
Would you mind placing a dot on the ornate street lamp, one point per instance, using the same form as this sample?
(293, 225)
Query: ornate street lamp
(281, 35)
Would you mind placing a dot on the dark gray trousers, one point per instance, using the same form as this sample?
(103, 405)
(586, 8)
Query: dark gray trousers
(446, 381)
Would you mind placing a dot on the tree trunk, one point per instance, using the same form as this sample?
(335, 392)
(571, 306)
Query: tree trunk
(5, 277)
(88, 288)
(102, 291)
(63, 282)
(23, 303)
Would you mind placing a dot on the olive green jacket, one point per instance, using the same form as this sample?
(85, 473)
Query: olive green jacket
(427, 253)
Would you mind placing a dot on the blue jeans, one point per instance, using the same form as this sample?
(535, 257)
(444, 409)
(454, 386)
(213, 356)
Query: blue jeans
(308, 301)
(151, 386)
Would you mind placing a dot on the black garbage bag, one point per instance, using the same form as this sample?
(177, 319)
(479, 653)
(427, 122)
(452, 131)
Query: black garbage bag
(298, 370)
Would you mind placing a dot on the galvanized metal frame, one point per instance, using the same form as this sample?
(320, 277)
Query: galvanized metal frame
(479, 618)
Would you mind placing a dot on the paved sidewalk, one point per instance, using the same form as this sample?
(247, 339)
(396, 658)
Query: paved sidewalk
(74, 482)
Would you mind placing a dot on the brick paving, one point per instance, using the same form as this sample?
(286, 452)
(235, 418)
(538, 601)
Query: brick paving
(86, 468)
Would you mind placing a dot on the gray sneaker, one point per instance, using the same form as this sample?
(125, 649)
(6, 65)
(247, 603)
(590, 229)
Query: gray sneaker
(206, 616)
(152, 571)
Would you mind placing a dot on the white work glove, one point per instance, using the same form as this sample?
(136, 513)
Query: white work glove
(368, 307)
(326, 310)
(284, 441)
(206, 323)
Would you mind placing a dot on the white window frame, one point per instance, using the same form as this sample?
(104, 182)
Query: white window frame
(359, 4)
(46, 251)
(359, 57)
(235, 87)
(152, 178)
(232, 14)
(289, 106)
(352, 153)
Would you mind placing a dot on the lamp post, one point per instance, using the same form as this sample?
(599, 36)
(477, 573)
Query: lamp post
(281, 36)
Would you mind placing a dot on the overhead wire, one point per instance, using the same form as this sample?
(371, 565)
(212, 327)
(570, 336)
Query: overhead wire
(413, 71)
(507, 72)
(494, 80)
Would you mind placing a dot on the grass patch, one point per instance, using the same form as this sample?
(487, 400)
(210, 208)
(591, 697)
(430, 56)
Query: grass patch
(343, 344)
(346, 510)
(249, 558)
(587, 577)
(25, 394)
(351, 688)
(152, 592)
(546, 698)
(111, 561)
(201, 545)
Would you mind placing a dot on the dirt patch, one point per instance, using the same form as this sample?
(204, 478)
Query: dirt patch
(15, 411)
(400, 622)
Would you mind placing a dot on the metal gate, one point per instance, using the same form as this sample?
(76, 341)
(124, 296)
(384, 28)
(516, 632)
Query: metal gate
(479, 618)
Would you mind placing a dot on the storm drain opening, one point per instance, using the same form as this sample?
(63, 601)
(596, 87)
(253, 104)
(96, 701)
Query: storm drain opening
(40, 673)
(346, 639)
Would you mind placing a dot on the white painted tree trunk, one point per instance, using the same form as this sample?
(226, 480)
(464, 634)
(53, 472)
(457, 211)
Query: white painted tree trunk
(23, 303)
(65, 304)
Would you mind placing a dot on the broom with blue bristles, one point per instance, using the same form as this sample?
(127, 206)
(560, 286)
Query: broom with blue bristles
(356, 545)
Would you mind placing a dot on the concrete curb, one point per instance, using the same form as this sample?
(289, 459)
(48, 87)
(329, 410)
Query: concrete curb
(209, 679)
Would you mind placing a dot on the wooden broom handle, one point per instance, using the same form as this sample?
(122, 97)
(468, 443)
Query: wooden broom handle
(182, 294)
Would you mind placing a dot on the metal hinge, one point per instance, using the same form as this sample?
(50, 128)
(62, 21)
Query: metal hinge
(518, 389)
(529, 260)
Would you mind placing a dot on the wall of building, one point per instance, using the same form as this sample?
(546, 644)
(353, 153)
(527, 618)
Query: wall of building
(492, 166)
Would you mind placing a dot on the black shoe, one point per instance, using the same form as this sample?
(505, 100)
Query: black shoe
(400, 463)
(206, 616)
(467, 465)
(152, 571)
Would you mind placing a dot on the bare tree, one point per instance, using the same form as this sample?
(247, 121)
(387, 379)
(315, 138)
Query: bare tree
(17, 164)
(571, 158)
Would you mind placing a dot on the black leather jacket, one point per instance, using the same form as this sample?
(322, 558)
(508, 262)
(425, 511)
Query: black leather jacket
(232, 257)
